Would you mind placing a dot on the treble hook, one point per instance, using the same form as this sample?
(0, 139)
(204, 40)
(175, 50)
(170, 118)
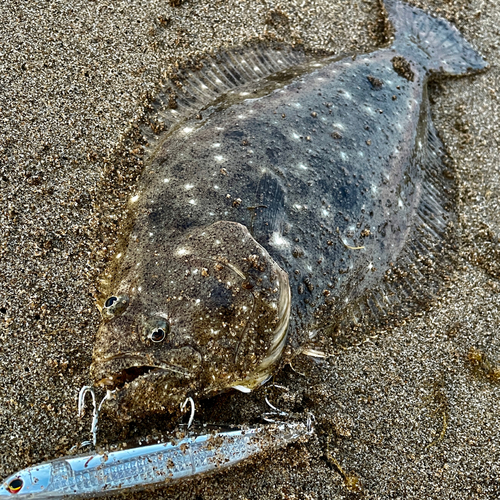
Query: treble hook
(95, 412)
(183, 405)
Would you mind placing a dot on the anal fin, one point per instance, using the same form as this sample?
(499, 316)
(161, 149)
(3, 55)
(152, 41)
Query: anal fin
(426, 264)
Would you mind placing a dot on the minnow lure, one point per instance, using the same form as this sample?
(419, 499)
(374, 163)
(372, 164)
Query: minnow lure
(137, 468)
(307, 202)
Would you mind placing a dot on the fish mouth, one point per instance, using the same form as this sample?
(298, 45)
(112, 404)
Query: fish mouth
(117, 372)
(119, 380)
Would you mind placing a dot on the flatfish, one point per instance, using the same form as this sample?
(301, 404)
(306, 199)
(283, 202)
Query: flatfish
(289, 198)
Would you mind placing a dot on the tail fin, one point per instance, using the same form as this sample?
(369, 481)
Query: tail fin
(443, 49)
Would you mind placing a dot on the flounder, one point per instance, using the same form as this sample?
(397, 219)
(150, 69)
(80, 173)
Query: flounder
(290, 196)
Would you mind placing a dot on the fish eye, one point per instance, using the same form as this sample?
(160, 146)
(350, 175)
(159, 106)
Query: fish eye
(15, 485)
(109, 302)
(157, 335)
(114, 306)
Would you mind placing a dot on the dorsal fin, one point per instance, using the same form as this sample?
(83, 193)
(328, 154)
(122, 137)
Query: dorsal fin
(191, 91)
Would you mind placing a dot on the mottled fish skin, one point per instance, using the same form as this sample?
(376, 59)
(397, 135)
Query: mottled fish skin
(277, 214)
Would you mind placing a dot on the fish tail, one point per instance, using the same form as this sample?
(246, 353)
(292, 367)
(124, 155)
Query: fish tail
(443, 50)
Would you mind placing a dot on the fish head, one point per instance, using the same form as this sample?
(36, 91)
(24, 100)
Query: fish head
(211, 317)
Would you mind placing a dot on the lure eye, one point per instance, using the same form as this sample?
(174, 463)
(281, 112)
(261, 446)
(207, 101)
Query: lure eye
(15, 486)
(157, 335)
(110, 301)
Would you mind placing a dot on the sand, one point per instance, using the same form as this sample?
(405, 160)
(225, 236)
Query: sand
(411, 414)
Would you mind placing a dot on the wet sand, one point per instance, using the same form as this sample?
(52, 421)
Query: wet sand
(412, 414)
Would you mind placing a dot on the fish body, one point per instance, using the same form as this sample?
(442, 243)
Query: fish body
(101, 474)
(277, 217)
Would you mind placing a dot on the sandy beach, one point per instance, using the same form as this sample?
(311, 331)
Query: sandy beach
(411, 414)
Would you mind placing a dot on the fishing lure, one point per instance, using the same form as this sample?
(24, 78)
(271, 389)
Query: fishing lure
(137, 468)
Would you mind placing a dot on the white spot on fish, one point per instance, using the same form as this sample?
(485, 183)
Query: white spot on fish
(339, 126)
(278, 241)
(187, 187)
(344, 156)
(187, 130)
(134, 198)
(219, 158)
(302, 166)
(295, 135)
(182, 251)
(166, 180)
(243, 94)
(216, 145)
(241, 388)
(193, 202)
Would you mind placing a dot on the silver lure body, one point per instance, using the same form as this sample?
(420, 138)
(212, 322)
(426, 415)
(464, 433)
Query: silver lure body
(95, 475)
